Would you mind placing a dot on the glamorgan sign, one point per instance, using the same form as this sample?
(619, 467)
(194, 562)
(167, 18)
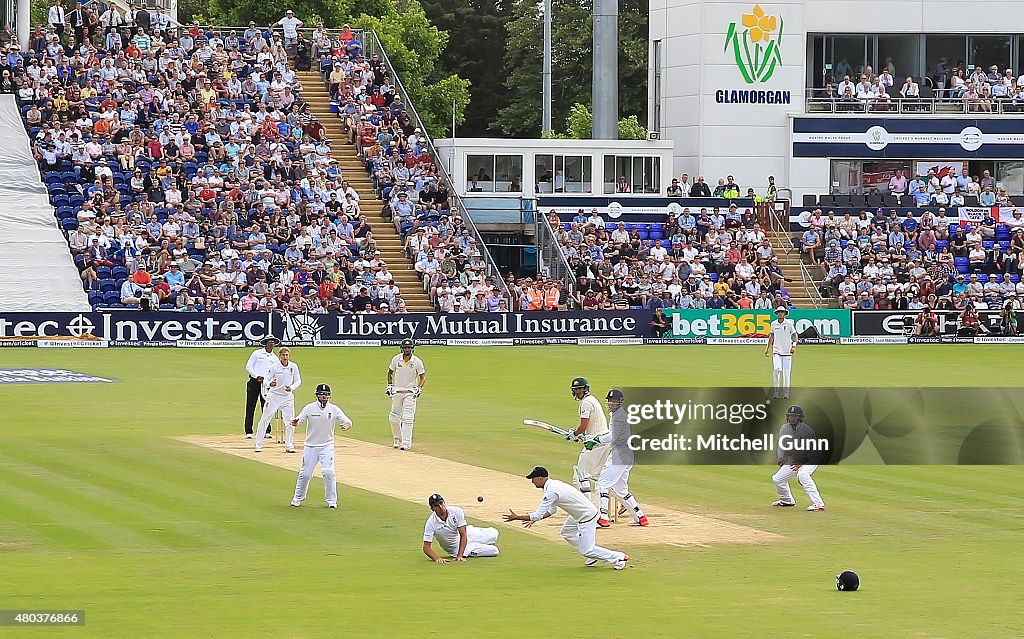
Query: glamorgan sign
(756, 46)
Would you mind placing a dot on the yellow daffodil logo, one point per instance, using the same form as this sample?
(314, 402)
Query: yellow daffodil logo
(755, 44)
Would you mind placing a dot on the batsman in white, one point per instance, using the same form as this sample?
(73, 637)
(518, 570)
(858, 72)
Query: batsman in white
(592, 424)
(781, 344)
(406, 376)
(321, 417)
(580, 527)
(447, 524)
(615, 474)
(796, 463)
(280, 382)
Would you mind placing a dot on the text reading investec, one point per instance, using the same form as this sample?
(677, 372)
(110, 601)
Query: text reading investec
(667, 411)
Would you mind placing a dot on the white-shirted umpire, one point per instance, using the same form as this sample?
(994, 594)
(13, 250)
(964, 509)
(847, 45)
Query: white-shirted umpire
(257, 367)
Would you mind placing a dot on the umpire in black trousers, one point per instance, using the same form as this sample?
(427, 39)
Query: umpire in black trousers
(257, 367)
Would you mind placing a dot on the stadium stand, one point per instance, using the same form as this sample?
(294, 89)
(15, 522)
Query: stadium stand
(189, 172)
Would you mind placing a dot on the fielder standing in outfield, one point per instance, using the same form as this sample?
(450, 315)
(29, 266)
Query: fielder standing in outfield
(796, 463)
(321, 417)
(580, 527)
(592, 424)
(448, 525)
(615, 474)
(281, 380)
(259, 363)
(406, 376)
(781, 345)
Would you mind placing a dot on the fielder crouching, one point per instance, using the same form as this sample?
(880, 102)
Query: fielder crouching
(796, 463)
(447, 524)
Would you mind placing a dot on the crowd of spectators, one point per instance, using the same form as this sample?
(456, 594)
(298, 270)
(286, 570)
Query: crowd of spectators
(884, 260)
(188, 172)
(702, 257)
(980, 89)
(417, 199)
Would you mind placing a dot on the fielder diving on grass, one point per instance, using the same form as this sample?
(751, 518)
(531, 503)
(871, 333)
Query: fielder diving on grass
(447, 524)
(580, 527)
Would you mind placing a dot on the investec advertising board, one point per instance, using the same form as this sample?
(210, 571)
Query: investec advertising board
(240, 329)
(756, 324)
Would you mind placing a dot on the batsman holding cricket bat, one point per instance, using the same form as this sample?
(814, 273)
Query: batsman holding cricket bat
(592, 424)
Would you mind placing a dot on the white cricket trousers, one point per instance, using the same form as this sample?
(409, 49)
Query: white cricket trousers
(583, 537)
(402, 417)
(311, 456)
(277, 402)
(782, 365)
(615, 478)
(785, 473)
(480, 542)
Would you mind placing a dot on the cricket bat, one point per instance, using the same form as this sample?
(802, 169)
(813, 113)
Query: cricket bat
(546, 426)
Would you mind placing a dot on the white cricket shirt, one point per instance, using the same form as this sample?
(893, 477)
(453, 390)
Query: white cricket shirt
(590, 408)
(446, 531)
(260, 362)
(287, 376)
(320, 422)
(558, 494)
(785, 336)
(406, 374)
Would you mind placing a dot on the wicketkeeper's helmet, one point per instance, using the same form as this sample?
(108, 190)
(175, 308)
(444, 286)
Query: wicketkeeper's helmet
(579, 382)
(796, 409)
(323, 389)
(615, 397)
(847, 581)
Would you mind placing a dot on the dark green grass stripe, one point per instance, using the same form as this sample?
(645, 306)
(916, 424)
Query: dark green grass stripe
(98, 506)
(138, 490)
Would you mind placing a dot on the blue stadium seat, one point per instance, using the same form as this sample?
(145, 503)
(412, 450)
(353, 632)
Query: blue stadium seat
(713, 276)
(119, 273)
(941, 244)
(1004, 244)
(108, 285)
(95, 298)
(666, 243)
(111, 297)
(69, 224)
(986, 245)
(982, 278)
(1015, 278)
(644, 234)
(961, 264)
(103, 272)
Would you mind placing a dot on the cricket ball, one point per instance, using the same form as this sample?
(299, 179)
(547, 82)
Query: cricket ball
(480, 498)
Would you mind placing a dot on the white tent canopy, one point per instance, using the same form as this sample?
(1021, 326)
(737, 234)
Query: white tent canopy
(36, 269)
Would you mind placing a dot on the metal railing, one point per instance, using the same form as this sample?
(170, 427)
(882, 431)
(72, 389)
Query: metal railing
(550, 258)
(815, 102)
(371, 44)
(810, 286)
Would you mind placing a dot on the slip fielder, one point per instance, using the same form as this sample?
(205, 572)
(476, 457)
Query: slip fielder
(280, 382)
(321, 417)
(592, 424)
(781, 344)
(406, 376)
(580, 527)
(447, 524)
(615, 474)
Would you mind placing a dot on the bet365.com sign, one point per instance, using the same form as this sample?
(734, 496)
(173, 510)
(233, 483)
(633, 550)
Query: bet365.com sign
(684, 323)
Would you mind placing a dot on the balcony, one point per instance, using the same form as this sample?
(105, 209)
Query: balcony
(927, 104)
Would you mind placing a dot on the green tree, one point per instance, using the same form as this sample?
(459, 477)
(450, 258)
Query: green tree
(414, 46)
(580, 122)
(572, 62)
(266, 12)
(478, 24)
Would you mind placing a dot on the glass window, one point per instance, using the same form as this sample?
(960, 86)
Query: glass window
(1010, 176)
(901, 55)
(479, 173)
(544, 172)
(652, 175)
(577, 177)
(494, 173)
(943, 54)
(848, 55)
(990, 50)
(845, 175)
(875, 176)
(610, 175)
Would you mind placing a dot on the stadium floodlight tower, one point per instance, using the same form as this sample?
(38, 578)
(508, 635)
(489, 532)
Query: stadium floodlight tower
(606, 70)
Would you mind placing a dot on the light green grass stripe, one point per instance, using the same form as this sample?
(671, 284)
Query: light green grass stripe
(97, 505)
(45, 516)
(189, 521)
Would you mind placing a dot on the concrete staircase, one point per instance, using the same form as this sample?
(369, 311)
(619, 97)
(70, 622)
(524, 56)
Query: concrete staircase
(314, 92)
(790, 264)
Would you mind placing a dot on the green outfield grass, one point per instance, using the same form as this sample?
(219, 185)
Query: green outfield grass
(101, 510)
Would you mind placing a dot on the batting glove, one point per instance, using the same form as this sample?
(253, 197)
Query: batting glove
(390, 390)
(591, 443)
(570, 436)
(416, 391)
